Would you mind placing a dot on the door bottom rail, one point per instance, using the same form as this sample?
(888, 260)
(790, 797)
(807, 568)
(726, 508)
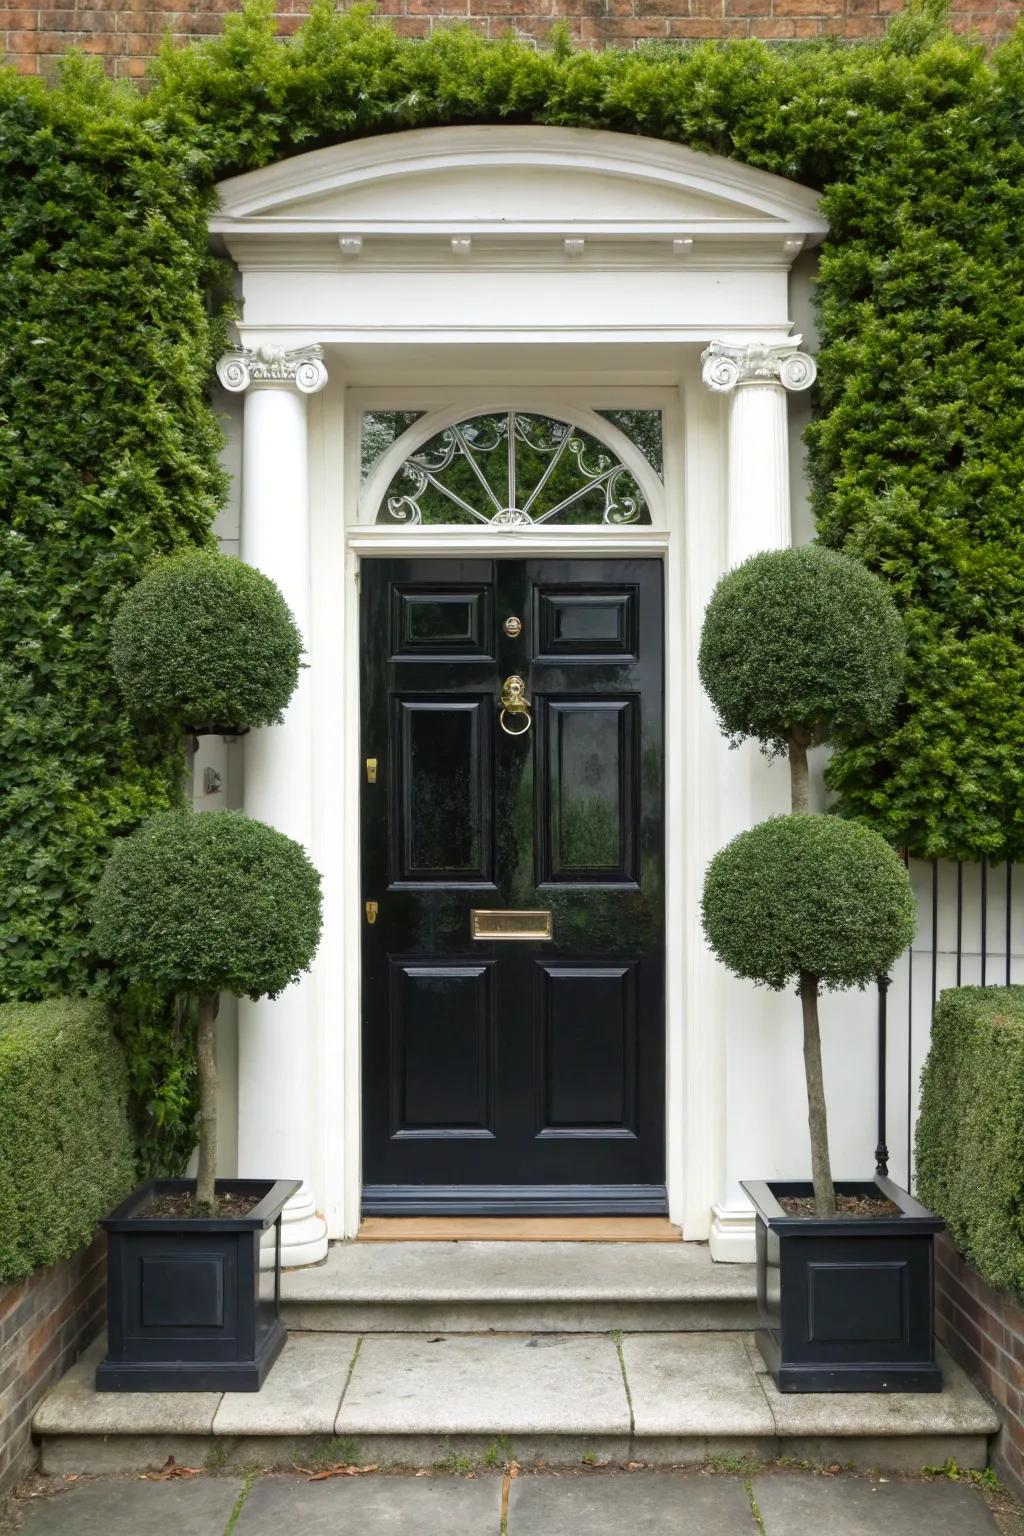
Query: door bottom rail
(515, 1200)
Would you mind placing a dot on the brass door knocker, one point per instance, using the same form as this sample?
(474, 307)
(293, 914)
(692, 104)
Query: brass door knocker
(514, 706)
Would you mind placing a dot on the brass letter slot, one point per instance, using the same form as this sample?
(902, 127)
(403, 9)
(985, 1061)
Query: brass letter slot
(510, 925)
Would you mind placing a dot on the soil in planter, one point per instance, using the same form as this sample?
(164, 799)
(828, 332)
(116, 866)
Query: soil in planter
(849, 1205)
(182, 1207)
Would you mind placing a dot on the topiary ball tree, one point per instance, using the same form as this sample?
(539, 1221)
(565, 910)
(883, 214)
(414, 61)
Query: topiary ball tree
(802, 646)
(816, 900)
(208, 641)
(203, 904)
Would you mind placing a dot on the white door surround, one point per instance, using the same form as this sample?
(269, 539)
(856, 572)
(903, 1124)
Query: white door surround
(456, 270)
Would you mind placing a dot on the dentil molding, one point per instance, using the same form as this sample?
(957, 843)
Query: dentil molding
(758, 362)
(304, 367)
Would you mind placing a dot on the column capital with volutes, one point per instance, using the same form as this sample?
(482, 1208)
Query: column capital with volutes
(726, 367)
(303, 367)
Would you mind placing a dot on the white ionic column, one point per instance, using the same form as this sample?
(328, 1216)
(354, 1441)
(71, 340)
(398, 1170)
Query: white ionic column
(756, 377)
(276, 1039)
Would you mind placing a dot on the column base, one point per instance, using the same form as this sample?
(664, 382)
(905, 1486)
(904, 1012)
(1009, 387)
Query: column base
(732, 1234)
(303, 1234)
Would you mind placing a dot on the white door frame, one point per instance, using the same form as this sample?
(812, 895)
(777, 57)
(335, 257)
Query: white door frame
(665, 538)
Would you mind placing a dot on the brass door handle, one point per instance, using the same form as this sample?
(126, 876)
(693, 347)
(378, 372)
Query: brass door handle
(514, 706)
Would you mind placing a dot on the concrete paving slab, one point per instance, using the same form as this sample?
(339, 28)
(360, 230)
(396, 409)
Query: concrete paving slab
(74, 1406)
(300, 1396)
(690, 1384)
(868, 1507)
(655, 1503)
(409, 1384)
(517, 1272)
(958, 1409)
(198, 1507)
(372, 1506)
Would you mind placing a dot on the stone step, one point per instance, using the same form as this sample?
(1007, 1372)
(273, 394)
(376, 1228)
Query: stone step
(557, 1399)
(481, 1287)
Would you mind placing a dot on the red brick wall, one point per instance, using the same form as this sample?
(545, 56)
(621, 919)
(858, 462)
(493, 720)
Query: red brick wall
(125, 32)
(984, 1330)
(45, 1323)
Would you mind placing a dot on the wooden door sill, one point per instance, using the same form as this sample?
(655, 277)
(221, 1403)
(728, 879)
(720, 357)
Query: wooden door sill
(518, 1229)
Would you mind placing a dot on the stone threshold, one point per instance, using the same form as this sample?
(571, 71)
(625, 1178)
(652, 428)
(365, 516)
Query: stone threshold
(556, 1287)
(419, 1400)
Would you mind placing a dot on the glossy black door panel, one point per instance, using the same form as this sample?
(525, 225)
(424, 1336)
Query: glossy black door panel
(586, 1050)
(594, 622)
(442, 1048)
(524, 1074)
(430, 621)
(587, 830)
(441, 787)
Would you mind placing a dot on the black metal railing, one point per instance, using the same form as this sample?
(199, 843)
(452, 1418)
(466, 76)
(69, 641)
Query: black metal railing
(969, 933)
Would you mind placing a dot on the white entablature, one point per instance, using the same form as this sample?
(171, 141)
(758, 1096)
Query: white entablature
(470, 192)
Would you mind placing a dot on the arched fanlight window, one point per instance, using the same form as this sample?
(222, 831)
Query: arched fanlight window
(513, 469)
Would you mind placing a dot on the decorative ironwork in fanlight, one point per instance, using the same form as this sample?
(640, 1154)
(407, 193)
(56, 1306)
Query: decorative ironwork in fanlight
(513, 469)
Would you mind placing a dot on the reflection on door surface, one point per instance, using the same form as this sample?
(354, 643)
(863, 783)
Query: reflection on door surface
(513, 788)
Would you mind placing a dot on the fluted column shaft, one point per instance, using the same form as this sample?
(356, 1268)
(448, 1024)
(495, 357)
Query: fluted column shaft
(276, 1038)
(756, 377)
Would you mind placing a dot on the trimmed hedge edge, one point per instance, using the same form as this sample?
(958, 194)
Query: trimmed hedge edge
(65, 1147)
(970, 1141)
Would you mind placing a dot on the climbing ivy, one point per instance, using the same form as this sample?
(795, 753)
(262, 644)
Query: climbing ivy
(112, 314)
(917, 451)
(108, 456)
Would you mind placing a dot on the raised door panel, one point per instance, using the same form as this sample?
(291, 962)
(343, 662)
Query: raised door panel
(441, 815)
(586, 625)
(442, 1049)
(440, 622)
(586, 1050)
(588, 806)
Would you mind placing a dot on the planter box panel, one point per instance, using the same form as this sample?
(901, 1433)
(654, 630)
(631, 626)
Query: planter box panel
(868, 1298)
(184, 1309)
(846, 1302)
(182, 1290)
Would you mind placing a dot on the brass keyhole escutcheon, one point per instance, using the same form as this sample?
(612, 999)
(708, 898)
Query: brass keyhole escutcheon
(515, 706)
(513, 626)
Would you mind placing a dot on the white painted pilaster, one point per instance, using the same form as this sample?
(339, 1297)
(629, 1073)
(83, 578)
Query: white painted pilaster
(277, 1044)
(756, 377)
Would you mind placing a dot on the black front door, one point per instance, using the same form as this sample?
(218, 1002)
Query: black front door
(514, 1073)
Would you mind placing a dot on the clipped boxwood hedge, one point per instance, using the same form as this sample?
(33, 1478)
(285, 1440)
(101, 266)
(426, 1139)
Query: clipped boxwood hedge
(205, 639)
(970, 1133)
(112, 315)
(65, 1147)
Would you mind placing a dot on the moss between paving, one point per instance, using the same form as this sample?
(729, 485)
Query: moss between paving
(714, 1500)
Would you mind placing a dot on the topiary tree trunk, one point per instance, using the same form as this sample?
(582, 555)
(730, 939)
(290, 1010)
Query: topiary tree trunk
(799, 778)
(817, 1114)
(206, 1071)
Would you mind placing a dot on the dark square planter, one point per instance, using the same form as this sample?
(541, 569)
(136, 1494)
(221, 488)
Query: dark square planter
(184, 1313)
(846, 1301)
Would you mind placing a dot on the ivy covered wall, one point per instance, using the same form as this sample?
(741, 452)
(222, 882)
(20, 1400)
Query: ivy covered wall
(111, 318)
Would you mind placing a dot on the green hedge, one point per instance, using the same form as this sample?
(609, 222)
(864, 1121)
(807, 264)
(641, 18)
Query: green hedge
(65, 1147)
(111, 315)
(970, 1132)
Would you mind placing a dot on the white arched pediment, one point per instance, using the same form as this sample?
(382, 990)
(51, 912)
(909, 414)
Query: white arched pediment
(498, 184)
